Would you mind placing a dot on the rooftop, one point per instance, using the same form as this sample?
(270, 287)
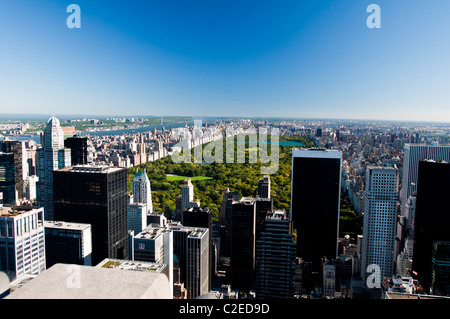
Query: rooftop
(64, 281)
(12, 211)
(65, 225)
(131, 265)
(91, 168)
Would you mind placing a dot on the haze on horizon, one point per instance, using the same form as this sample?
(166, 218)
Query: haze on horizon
(296, 59)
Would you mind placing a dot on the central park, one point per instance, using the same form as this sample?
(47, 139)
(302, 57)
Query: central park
(211, 179)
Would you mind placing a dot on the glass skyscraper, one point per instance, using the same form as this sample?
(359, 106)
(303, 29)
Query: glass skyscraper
(315, 201)
(96, 195)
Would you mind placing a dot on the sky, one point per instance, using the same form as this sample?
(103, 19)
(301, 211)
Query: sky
(287, 58)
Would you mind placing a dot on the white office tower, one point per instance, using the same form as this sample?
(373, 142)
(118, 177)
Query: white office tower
(51, 156)
(413, 153)
(142, 190)
(187, 195)
(154, 244)
(379, 224)
(22, 242)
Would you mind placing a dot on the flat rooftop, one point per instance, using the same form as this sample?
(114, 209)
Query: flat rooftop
(317, 153)
(12, 211)
(65, 281)
(404, 296)
(91, 168)
(65, 225)
(131, 265)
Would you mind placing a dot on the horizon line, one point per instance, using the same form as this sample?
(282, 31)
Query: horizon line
(225, 117)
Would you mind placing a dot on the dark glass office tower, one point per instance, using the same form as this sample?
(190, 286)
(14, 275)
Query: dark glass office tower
(432, 219)
(95, 195)
(315, 198)
(263, 206)
(440, 268)
(225, 220)
(200, 217)
(7, 180)
(275, 258)
(242, 252)
(67, 243)
(78, 148)
(15, 147)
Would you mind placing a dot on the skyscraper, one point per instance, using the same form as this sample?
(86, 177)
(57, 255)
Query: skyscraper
(264, 187)
(380, 218)
(49, 159)
(78, 149)
(7, 180)
(413, 153)
(67, 243)
(22, 241)
(275, 258)
(225, 219)
(242, 243)
(17, 148)
(137, 217)
(315, 201)
(95, 195)
(191, 251)
(432, 220)
(142, 190)
(200, 217)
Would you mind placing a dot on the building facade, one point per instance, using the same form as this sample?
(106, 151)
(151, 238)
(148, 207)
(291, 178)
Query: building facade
(49, 159)
(432, 221)
(142, 190)
(315, 203)
(95, 195)
(22, 241)
(68, 243)
(380, 218)
(275, 258)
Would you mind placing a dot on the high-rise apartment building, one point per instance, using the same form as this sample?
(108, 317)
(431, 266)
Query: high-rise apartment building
(432, 220)
(95, 195)
(51, 156)
(22, 241)
(380, 219)
(315, 201)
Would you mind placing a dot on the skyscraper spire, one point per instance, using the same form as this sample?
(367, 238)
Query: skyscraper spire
(51, 156)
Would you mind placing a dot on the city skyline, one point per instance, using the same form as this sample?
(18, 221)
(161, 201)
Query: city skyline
(309, 59)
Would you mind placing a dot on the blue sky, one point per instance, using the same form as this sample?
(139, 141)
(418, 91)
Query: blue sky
(312, 58)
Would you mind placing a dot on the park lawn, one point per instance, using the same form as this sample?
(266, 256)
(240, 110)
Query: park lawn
(172, 178)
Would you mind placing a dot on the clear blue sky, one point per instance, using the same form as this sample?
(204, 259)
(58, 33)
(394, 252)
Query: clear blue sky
(312, 58)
